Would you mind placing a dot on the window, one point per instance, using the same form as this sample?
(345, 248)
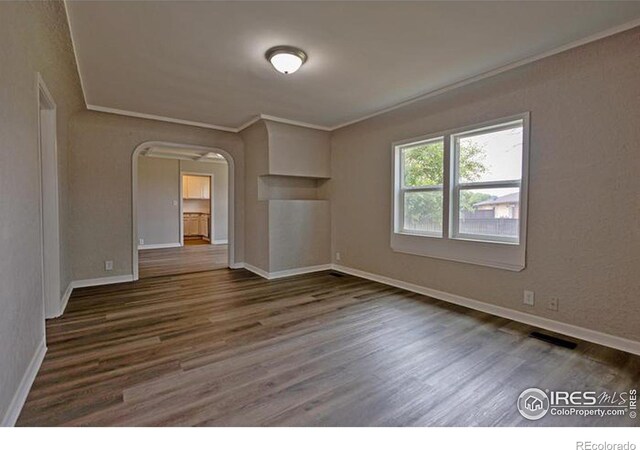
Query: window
(461, 194)
(486, 183)
(422, 186)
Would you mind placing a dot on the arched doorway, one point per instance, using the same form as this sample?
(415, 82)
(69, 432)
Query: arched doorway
(185, 149)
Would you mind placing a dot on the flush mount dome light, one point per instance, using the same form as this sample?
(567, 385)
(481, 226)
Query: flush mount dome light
(286, 59)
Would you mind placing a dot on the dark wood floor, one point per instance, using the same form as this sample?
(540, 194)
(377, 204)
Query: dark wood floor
(229, 348)
(188, 259)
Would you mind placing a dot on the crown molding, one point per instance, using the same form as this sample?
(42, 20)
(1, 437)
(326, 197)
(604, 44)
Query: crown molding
(75, 53)
(124, 112)
(458, 84)
(594, 37)
(295, 122)
(247, 124)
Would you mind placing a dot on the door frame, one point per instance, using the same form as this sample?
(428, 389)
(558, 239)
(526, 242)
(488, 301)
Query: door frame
(49, 201)
(134, 198)
(196, 174)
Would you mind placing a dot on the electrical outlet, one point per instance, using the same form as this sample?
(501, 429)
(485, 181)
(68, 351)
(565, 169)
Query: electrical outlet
(337, 256)
(140, 241)
(553, 304)
(528, 298)
(108, 265)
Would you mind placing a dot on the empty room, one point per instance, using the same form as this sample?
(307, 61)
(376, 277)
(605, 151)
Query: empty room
(336, 214)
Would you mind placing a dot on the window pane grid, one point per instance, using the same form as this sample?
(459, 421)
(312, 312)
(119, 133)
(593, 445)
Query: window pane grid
(421, 163)
(489, 184)
(492, 129)
(463, 185)
(485, 205)
(422, 212)
(423, 188)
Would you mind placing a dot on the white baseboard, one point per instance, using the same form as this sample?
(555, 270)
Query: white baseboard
(153, 246)
(585, 334)
(298, 271)
(221, 241)
(87, 283)
(256, 270)
(575, 331)
(65, 299)
(286, 273)
(102, 281)
(13, 412)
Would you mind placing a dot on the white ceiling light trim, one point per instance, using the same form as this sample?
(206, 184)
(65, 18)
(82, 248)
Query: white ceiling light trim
(286, 59)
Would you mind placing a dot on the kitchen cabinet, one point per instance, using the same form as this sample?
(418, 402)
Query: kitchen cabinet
(203, 226)
(196, 187)
(196, 224)
(190, 225)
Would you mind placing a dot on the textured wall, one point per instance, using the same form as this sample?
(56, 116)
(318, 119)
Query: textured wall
(298, 151)
(35, 38)
(102, 148)
(287, 227)
(256, 142)
(299, 234)
(584, 208)
(158, 189)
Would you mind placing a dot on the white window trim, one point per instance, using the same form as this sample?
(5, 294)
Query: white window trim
(402, 190)
(463, 248)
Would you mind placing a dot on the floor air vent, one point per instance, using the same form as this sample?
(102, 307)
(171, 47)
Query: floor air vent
(553, 340)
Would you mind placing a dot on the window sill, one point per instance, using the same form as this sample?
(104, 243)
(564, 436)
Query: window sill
(486, 241)
(499, 255)
(424, 235)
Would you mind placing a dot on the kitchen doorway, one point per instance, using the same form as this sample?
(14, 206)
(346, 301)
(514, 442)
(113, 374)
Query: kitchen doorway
(197, 207)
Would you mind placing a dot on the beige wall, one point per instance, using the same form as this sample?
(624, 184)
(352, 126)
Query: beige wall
(102, 147)
(220, 173)
(299, 234)
(158, 200)
(256, 141)
(279, 187)
(298, 151)
(288, 215)
(583, 242)
(158, 189)
(35, 38)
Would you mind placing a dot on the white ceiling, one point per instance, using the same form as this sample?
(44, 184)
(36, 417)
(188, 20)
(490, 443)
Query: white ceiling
(204, 61)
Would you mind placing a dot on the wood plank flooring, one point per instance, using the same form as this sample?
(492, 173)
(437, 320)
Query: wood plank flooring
(229, 348)
(178, 260)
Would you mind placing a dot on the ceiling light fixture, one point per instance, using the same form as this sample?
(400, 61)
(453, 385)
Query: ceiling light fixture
(286, 59)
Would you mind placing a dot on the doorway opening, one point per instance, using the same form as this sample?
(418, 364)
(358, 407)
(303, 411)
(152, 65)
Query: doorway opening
(50, 226)
(182, 209)
(197, 207)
